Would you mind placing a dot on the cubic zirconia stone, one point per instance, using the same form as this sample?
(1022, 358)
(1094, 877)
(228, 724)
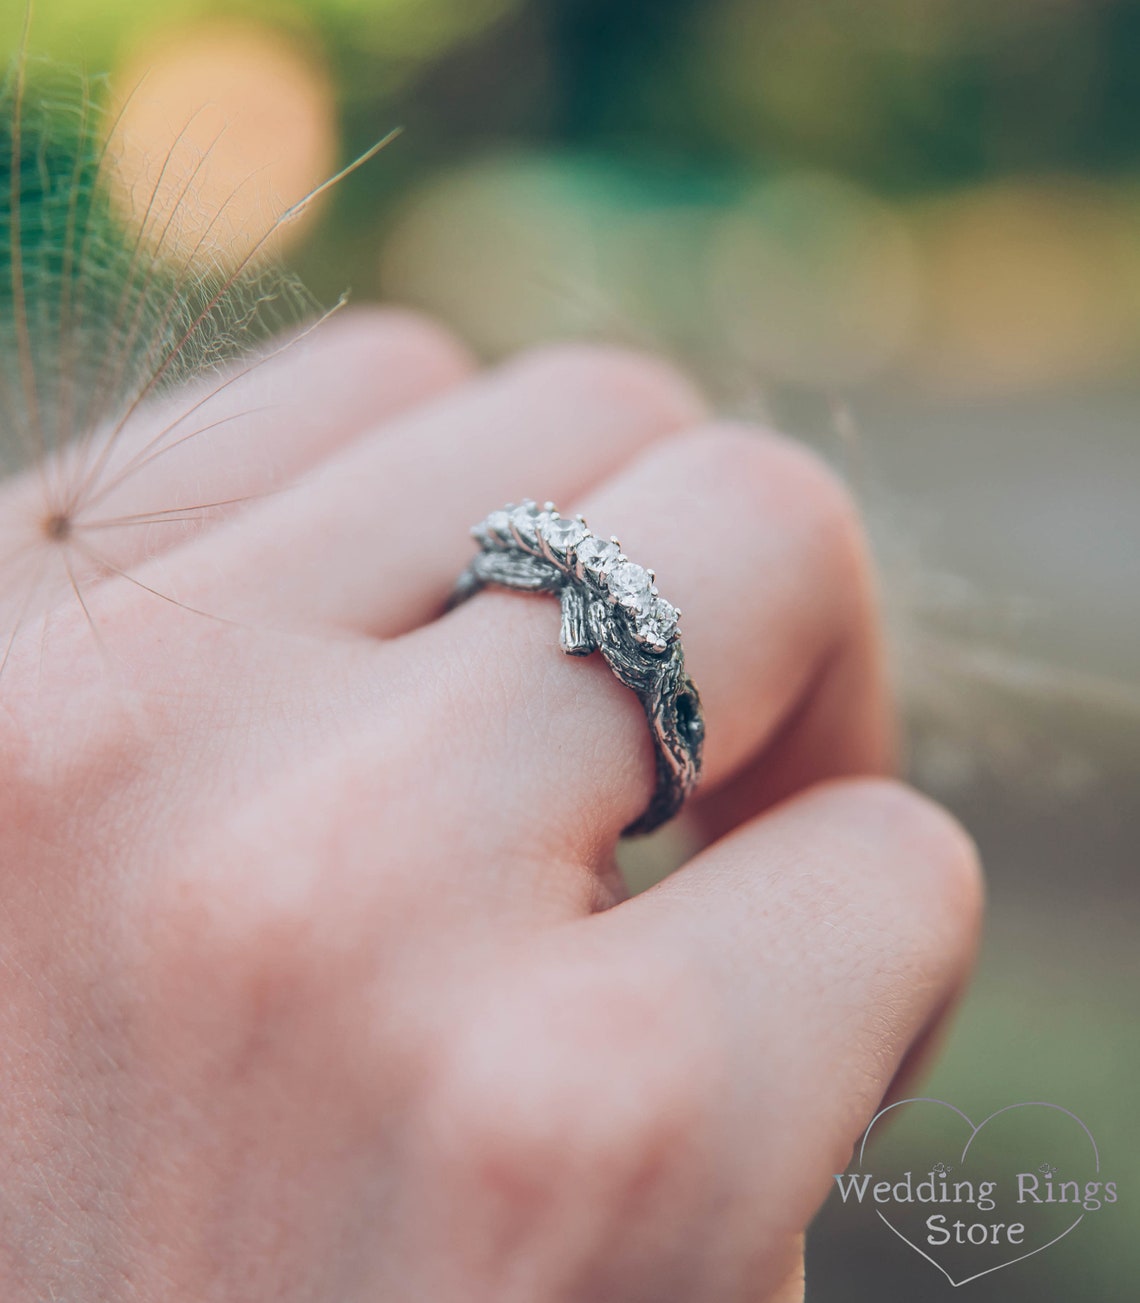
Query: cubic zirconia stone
(499, 523)
(560, 533)
(523, 519)
(596, 556)
(630, 584)
(658, 623)
(665, 613)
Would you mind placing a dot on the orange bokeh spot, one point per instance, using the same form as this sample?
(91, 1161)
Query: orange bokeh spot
(223, 127)
(1029, 284)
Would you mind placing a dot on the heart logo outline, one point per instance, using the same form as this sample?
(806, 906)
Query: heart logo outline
(927, 1099)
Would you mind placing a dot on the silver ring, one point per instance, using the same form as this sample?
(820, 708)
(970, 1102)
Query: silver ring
(610, 605)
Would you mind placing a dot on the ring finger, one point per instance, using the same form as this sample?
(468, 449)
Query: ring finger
(761, 548)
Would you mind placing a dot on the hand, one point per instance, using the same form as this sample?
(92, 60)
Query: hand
(318, 979)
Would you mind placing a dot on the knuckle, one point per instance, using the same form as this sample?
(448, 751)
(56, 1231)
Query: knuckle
(246, 945)
(645, 386)
(941, 859)
(575, 1093)
(237, 1001)
(262, 932)
(799, 475)
(806, 478)
(57, 769)
(215, 944)
(783, 481)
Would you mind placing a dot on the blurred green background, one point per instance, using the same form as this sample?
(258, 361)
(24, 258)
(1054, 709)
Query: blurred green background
(906, 230)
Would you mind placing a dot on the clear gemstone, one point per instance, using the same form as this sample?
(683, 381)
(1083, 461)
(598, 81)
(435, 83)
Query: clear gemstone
(658, 623)
(596, 556)
(560, 533)
(523, 519)
(630, 584)
(665, 612)
(498, 523)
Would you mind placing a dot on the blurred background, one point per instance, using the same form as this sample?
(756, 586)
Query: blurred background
(907, 231)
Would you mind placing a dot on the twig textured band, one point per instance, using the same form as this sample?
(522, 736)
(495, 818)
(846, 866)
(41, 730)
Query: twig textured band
(610, 605)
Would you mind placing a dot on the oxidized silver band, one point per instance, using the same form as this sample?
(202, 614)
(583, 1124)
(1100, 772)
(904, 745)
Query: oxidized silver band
(608, 605)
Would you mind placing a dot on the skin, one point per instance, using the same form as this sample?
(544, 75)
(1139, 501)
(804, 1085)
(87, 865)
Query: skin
(319, 981)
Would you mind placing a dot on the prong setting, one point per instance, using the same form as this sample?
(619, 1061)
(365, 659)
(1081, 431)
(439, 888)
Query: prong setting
(568, 543)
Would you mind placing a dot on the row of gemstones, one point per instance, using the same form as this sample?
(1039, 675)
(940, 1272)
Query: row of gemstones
(570, 544)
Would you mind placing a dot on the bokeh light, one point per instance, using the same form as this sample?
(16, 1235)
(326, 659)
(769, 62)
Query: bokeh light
(407, 32)
(395, 37)
(223, 127)
(1028, 285)
(856, 194)
(802, 279)
(506, 250)
(815, 282)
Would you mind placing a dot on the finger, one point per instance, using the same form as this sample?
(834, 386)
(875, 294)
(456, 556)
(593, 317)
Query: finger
(813, 947)
(373, 540)
(698, 1061)
(808, 747)
(194, 458)
(761, 548)
(792, 1289)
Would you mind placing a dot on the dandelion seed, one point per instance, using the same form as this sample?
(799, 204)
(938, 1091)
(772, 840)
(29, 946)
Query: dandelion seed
(113, 309)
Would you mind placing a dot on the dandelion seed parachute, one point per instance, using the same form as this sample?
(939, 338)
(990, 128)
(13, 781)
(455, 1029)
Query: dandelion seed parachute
(107, 308)
(97, 311)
